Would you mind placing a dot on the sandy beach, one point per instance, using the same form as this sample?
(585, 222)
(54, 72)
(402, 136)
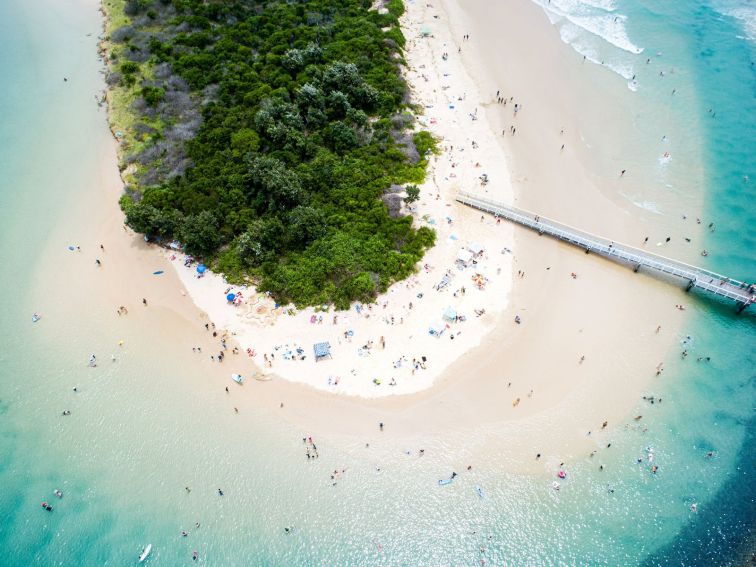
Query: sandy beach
(494, 375)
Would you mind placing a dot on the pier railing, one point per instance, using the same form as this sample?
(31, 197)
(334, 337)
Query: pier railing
(701, 278)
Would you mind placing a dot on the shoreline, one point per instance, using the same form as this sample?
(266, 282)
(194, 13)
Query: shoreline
(473, 392)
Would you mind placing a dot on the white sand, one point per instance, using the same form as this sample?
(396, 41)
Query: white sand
(450, 100)
(607, 314)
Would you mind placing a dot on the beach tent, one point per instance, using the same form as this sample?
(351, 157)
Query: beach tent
(475, 248)
(437, 329)
(450, 315)
(201, 269)
(322, 350)
(443, 283)
(464, 257)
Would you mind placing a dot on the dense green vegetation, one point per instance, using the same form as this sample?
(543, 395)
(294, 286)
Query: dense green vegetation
(274, 140)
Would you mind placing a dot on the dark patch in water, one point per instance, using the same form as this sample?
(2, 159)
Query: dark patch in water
(723, 532)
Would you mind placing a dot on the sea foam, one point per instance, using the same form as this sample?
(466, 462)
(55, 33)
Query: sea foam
(744, 12)
(596, 17)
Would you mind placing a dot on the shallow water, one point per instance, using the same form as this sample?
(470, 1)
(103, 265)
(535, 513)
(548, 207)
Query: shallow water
(137, 435)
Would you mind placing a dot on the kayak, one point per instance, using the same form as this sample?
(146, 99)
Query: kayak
(444, 481)
(157, 273)
(237, 378)
(145, 553)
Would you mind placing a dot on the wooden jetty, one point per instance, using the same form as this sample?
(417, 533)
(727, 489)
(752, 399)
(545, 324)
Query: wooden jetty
(742, 293)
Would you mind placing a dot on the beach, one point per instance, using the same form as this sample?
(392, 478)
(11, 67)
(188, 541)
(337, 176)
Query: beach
(485, 371)
(157, 428)
(479, 364)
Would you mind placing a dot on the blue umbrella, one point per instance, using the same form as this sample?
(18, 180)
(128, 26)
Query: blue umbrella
(201, 269)
(230, 297)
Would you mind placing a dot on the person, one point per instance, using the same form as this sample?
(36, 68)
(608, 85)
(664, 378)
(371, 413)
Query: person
(380, 426)
(144, 301)
(220, 492)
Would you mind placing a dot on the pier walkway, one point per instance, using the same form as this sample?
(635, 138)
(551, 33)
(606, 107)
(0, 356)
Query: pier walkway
(717, 284)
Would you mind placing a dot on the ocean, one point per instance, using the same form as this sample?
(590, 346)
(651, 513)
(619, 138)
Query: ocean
(140, 431)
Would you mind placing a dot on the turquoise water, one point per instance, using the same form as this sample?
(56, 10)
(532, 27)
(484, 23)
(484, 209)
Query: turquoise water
(137, 436)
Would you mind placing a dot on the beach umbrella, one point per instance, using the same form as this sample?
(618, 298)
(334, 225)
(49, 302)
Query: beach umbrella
(230, 297)
(201, 269)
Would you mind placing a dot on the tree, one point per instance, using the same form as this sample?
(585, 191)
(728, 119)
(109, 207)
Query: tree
(342, 137)
(261, 241)
(152, 221)
(153, 95)
(413, 194)
(199, 234)
(274, 184)
(305, 225)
